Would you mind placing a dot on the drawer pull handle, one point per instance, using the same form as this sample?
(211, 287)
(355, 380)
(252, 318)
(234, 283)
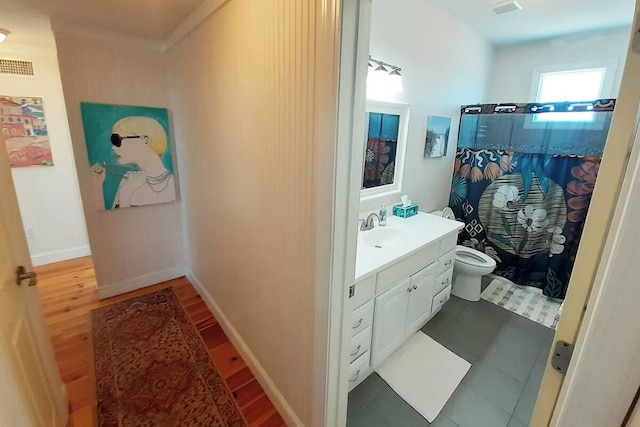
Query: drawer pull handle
(446, 282)
(415, 287)
(357, 350)
(448, 262)
(355, 377)
(357, 325)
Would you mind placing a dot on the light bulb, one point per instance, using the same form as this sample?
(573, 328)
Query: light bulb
(3, 35)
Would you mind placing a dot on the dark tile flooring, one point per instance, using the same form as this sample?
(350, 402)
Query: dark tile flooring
(508, 354)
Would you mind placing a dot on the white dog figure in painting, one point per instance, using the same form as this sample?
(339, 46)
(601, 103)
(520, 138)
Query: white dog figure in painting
(140, 141)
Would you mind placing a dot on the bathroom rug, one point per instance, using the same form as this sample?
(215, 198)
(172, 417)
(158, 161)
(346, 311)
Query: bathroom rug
(424, 373)
(526, 301)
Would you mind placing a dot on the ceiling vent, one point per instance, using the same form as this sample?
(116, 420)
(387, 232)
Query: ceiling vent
(10, 66)
(506, 7)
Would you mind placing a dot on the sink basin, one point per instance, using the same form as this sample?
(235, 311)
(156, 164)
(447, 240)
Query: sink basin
(383, 237)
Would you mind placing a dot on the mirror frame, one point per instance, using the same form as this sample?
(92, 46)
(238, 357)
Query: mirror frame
(402, 110)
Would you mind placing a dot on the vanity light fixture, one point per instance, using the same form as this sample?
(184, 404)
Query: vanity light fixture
(383, 79)
(3, 34)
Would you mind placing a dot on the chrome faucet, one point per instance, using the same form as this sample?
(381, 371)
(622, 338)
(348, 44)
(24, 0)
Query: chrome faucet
(368, 224)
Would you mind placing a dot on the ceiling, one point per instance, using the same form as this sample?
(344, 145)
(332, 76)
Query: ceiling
(540, 19)
(150, 19)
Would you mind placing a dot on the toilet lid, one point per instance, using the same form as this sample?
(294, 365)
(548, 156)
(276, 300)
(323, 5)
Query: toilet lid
(448, 213)
(473, 257)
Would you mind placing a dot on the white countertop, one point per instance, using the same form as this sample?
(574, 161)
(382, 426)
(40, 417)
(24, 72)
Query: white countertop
(399, 238)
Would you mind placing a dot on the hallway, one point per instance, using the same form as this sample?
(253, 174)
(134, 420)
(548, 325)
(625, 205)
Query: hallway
(68, 293)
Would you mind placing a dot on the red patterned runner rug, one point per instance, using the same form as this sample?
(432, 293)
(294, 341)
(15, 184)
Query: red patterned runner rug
(152, 368)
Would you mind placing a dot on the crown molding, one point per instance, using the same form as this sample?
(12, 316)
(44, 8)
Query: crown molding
(196, 17)
(19, 51)
(68, 27)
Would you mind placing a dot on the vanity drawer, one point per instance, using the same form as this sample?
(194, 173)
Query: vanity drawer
(360, 344)
(443, 280)
(408, 266)
(446, 261)
(448, 243)
(440, 299)
(363, 291)
(362, 318)
(358, 370)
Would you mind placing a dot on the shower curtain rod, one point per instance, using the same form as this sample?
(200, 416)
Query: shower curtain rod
(536, 108)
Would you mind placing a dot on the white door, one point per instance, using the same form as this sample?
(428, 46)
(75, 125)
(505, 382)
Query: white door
(420, 299)
(389, 321)
(32, 393)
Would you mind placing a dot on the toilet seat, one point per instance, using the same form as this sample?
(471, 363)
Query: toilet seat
(473, 257)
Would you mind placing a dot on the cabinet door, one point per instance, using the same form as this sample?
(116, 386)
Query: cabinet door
(389, 321)
(420, 298)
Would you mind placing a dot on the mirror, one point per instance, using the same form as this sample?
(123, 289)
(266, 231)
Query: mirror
(386, 137)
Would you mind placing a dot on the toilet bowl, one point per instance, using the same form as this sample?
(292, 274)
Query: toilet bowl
(469, 267)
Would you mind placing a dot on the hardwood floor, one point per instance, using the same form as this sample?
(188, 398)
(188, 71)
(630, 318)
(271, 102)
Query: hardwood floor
(68, 293)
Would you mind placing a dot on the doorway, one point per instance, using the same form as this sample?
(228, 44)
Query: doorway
(615, 73)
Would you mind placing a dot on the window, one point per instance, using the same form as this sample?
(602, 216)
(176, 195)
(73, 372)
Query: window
(573, 85)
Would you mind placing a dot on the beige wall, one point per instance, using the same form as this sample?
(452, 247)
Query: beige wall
(243, 91)
(49, 197)
(132, 247)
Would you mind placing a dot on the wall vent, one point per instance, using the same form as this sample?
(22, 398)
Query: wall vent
(505, 7)
(10, 66)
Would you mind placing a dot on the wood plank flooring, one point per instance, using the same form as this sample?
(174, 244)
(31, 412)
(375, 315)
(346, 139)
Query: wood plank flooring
(68, 293)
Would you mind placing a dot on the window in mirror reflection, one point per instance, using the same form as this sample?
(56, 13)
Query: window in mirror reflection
(382, 147)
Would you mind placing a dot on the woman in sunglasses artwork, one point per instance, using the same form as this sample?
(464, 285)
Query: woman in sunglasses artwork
(138, 144)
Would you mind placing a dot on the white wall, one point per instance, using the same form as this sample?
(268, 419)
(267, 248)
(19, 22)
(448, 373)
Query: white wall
(49, 197)
(445, 64)
(514, 66)
(245, 94)
(132, 247)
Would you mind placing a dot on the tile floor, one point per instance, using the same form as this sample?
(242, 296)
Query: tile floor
(508, 354)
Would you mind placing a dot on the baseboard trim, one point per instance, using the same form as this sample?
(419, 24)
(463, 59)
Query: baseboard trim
(117, 288)
(281, 404)
(60, 255)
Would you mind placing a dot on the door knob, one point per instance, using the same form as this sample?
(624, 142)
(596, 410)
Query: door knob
(23, 274)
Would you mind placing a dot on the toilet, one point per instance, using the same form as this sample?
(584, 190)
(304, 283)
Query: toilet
(469, 267)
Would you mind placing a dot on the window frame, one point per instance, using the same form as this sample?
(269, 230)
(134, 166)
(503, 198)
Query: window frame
(402, 110)
(606, 91)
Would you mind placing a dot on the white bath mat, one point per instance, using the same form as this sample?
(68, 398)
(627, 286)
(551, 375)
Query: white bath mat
(424, 373)
(526, 301)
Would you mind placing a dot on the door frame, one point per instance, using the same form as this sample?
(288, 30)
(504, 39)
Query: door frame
(604, 373)
(356, 23)
(349, 163)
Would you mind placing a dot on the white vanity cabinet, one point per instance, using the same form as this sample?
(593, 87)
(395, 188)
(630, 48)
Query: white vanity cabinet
(401, 311)
(390, 320)
(395, 296)
(420, 299)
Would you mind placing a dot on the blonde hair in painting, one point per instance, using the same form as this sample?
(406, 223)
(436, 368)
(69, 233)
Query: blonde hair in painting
(143, 126)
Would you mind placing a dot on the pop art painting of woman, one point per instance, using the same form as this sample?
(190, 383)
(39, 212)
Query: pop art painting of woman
(129, 154)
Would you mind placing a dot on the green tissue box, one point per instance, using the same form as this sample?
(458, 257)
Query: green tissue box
(405, 212)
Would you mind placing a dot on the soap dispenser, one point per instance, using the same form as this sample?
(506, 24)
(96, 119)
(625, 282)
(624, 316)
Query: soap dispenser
(383, 215)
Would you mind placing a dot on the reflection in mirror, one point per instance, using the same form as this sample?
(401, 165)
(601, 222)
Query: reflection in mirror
(386, 135)
(382, 147)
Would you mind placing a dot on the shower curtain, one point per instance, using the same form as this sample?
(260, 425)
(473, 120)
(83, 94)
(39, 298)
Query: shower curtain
(522, 183)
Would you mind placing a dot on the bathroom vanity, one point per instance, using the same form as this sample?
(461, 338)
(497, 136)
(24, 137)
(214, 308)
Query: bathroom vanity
(403, 277)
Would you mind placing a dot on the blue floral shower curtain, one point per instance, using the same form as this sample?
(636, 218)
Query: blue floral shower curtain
(522, 183)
